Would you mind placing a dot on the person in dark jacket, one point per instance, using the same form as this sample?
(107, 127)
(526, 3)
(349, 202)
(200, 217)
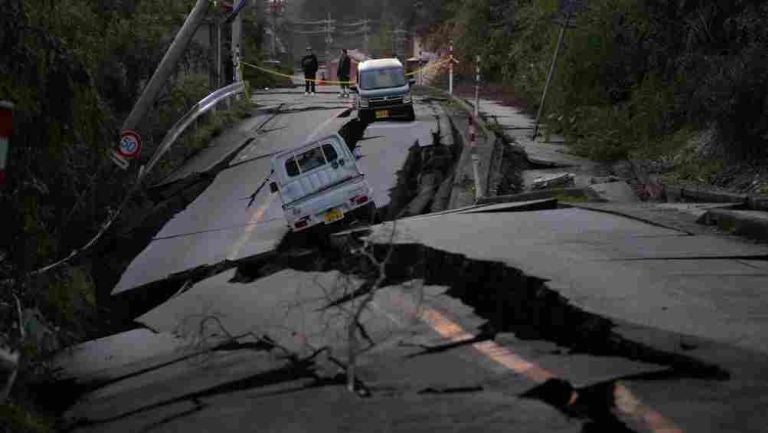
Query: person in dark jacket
(345, 66)
(310, 66)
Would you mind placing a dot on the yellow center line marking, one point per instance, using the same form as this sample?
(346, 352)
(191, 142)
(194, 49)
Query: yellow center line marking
(253, 221)
(629, 404)
(626, 401)
(490, 349)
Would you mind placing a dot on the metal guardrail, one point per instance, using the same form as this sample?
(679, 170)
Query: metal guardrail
(202, 107)
(173, 134)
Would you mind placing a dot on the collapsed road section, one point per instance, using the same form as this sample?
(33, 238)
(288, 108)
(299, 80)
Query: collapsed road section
(215, 228)
(531, 273)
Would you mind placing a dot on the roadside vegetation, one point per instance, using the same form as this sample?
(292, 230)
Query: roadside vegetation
(681, 84)
(73, 69)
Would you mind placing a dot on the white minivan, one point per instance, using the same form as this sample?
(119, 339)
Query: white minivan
(383, 91)
(320, 183)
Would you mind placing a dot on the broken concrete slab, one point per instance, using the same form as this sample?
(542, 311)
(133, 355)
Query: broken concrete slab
(262, 307)
(578, 369)
(428, 184)
(443, 195)
(117, 355)
(577, 194)
(675, 216)
(332, 409)
(383, 150)
(511, 206)
(619, 192)
(205, 377)
(547, 157)
(607, 265)
(526, 206)
(702, 194)
(554, 180)
(463, 193)
(748, 223)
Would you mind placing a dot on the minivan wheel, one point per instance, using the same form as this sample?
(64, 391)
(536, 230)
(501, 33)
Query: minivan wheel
(410, 115)
(365, 116)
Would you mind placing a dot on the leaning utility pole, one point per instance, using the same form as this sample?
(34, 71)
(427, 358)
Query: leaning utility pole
(328, 37)
(366, 35)
(167, 65)
(276, 8)
(399, 36)
(551, 73)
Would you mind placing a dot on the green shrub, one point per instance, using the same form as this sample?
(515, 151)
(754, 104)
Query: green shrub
(16, 419)
(631, 73)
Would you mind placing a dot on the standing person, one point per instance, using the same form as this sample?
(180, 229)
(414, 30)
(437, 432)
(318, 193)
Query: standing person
(345, 65)
(310, 65)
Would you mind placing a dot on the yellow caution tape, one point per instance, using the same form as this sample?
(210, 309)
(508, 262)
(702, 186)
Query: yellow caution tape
(280, 74)
(428, 67)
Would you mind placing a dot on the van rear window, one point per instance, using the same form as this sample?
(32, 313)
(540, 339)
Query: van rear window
(310, 160)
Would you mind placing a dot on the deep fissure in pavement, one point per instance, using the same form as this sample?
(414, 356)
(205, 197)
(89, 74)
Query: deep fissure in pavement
(297, 368)
(594, 405)
(511, 302)
(164, 202)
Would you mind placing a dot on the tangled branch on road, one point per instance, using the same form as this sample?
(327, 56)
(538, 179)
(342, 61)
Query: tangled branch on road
(351, 301)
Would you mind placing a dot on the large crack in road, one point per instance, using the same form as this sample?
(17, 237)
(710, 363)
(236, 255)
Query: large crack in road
(124, 307)
(509, 300)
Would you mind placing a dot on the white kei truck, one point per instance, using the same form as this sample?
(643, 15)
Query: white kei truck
(320, 183)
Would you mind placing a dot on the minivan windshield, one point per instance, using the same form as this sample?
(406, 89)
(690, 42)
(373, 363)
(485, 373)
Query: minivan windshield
(382, 78)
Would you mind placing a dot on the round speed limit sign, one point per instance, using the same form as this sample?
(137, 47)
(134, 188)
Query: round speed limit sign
(130, 144)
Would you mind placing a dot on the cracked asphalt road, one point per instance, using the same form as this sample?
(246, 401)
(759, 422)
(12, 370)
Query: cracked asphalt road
(560, 320)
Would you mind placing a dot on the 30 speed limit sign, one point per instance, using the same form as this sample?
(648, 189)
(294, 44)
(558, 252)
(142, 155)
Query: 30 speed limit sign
(130, 144)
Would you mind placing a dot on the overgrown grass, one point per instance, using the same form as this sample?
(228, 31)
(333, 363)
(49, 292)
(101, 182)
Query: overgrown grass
(199, 137)
(17, 419)
(260, 79)
(73, 69)
(634, 77)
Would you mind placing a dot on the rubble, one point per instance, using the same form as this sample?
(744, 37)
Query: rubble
(553, 181)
